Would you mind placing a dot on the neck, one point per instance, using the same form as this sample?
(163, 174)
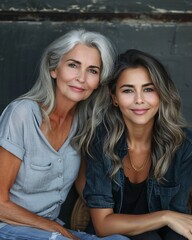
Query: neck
(62, 113)
(139, 134)
(139, 141)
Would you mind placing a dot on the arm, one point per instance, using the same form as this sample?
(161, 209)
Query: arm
(106, 222)
(99, 196)
(12, 213)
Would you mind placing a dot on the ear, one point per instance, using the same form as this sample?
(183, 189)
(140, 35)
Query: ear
(53, 74)
(115, 102)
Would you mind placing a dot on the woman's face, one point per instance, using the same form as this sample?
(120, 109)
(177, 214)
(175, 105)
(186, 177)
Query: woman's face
(136, 96)
(78, 73)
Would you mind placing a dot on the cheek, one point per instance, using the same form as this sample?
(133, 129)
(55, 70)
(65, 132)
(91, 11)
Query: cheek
(156, 105)
(94, 84)
(153, 99)
(63, 78)
(157, 101)
(124, 101)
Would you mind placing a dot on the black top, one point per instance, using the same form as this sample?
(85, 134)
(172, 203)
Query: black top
(134, 197)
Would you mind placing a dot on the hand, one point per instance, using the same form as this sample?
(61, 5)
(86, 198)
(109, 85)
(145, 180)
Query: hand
(68, 234)
(180, 223)
(56, 227)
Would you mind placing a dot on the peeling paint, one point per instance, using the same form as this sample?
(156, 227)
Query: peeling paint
(96, 6)
(160, 10)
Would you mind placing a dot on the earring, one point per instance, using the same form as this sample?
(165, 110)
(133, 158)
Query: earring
(115, 104)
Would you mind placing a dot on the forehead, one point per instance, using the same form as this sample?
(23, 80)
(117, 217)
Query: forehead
(135, 75)
(81, 50)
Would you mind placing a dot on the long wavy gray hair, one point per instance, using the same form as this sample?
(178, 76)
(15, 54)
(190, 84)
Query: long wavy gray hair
(167, 131)
(43, 90)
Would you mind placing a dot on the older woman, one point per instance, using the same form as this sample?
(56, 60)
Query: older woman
(38, 163)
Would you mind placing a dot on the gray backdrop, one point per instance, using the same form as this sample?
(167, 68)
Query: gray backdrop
(160, 27)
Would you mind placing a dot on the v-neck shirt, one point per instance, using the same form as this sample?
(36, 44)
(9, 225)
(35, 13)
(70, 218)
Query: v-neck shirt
(45, 175)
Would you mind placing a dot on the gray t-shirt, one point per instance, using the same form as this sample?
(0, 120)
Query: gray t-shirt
(46, 175)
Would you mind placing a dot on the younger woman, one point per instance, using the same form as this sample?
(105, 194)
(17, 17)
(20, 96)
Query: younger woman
(139, 162)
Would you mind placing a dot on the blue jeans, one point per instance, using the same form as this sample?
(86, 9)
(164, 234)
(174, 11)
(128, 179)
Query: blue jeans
(10, 232)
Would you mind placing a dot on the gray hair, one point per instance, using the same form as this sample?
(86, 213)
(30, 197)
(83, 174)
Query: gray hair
(43, 90)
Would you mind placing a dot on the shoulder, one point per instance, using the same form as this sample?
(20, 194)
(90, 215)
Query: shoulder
(186, 146)
(97, 142)
(22, 105)
(188, 134)
(20, 109)
(100, 134)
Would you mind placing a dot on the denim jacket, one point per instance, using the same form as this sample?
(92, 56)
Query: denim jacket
(102, 191)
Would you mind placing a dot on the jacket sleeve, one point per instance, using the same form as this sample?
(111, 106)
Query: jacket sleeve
(98, 188)
(183, 174)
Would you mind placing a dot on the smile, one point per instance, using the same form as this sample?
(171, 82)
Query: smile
(139, 111)
(77, 89)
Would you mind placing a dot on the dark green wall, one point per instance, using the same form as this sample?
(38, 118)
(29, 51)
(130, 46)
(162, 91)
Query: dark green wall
(162, 28)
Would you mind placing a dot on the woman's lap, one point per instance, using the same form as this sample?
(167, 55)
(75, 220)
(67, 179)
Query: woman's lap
(85, 236)
(169, 234)
(10, 232)
(161, 234)
(147, 236)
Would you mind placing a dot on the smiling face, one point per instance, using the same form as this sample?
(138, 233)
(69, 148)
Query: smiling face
(77, 74)
(136, 96)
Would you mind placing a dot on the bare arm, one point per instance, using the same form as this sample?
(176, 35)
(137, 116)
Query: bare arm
(12, 213)
(106, 222)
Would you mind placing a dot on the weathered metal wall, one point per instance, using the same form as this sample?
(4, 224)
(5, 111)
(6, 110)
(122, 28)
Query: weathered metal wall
(162, 28)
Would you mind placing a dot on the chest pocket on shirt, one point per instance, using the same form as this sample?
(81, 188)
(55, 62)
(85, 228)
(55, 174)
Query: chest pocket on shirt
(38, 178)
(165, 194)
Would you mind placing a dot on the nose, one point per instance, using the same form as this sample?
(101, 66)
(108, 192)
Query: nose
(81, 76)
(139, 98)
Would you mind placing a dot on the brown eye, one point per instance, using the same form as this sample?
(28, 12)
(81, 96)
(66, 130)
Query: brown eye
(128, 90)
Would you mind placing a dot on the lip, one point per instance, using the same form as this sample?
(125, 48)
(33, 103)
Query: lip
(139, 111)
(77, 89)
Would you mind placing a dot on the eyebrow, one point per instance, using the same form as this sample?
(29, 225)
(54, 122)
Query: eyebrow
(91, 66)
(132, 86)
